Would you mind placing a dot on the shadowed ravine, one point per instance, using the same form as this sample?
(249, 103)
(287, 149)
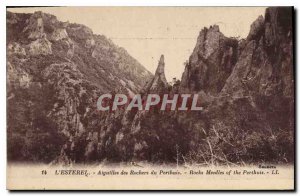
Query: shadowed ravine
(57, 70)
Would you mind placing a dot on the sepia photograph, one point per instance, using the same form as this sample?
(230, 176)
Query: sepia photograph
(150, 98)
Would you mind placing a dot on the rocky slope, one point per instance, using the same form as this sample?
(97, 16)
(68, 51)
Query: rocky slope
(254, 87)
(258, 71)
(245, 86)
(55, 73)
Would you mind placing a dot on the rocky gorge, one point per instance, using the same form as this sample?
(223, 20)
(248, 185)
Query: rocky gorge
(57, 70)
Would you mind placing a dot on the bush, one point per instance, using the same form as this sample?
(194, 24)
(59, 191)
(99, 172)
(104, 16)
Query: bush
(222, 146)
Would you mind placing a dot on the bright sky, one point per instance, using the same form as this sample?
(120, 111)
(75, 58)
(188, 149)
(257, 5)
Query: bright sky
(148, 32)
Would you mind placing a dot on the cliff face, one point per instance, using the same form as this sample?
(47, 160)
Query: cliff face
(265, 62)
(258, 69)
(253, 90)
(246, 88)
(56, 71)
(211, 62)
(106, 65)
(264, 70)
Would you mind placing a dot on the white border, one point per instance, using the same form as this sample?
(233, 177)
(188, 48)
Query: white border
(5, 3)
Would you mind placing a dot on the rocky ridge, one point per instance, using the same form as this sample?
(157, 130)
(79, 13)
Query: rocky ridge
(244, 86)
(56, 71)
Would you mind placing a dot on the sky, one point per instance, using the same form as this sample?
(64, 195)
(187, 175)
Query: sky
(148, 32)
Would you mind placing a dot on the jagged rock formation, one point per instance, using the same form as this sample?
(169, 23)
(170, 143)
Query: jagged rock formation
(211, 62)
(256, 89)
(159, 80)
(56, 72)
(41, 34)
(264, 72)
(244, 86)
(153, 135)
